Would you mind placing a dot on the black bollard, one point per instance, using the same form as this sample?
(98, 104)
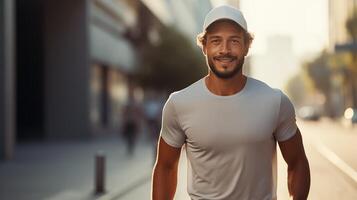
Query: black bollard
(99, 173)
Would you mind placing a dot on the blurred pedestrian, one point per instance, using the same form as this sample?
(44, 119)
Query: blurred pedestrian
(152, 112)
(229, 124)
(130, 125)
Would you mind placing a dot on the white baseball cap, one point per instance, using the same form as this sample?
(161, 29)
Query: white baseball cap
(225, 12)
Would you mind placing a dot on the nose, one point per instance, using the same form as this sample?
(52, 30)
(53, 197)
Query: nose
(225, 48)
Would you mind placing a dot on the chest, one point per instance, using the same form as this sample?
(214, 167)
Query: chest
(219, 123)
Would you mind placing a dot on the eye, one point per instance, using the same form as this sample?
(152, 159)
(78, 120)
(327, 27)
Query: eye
(215, 41)
(235, 41)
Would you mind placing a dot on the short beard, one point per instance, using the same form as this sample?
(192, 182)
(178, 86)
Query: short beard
(226, 75)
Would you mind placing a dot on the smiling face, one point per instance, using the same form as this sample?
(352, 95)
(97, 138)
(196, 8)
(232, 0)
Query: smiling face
(225, 48)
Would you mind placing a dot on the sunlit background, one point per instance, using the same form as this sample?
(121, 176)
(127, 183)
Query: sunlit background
(73, 73)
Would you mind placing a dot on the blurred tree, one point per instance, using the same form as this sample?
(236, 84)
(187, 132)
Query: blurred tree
(351, 26)
(343, 76)
(171, 64)
(320, 73)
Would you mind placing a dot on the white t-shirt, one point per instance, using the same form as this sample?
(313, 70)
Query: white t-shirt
(230, 140)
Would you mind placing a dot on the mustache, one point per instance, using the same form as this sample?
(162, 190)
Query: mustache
(225, 56)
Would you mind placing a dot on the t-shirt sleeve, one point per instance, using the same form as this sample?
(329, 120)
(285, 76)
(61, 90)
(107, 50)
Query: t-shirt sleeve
(286, 126)
(171, 130)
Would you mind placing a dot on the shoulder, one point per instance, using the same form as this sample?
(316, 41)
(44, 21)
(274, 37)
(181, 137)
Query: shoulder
(285, 103)
(270, 95)
(186, 94)
(262, 88)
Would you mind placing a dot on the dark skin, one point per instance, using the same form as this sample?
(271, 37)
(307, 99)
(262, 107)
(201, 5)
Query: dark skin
(229, 42)
(298, 166)
(165, 172)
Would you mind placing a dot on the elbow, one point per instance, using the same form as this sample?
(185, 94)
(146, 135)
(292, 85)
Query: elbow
(165, 166)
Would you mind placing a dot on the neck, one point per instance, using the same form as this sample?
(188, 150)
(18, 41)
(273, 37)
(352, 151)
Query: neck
(225, 87)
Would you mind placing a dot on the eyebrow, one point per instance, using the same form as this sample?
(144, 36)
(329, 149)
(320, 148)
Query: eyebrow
(214, 37)
(236, 36)
(218, 37)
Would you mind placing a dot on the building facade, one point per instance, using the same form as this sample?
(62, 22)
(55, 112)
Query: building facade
(339, 12)
(74, 61)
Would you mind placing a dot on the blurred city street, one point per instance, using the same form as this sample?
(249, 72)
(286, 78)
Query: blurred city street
(65, 170)
(82, 79)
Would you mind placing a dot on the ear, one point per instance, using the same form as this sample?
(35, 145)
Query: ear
(246, 51)
(204, 49)
(247, 47)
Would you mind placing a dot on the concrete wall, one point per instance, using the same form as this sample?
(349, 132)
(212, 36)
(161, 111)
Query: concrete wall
(67, 68)
(7, 69)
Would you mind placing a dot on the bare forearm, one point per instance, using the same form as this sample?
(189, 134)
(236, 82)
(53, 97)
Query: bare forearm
(164, 183)
(299, 180)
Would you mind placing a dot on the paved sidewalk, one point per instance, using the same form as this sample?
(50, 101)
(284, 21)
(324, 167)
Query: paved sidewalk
(65, 170)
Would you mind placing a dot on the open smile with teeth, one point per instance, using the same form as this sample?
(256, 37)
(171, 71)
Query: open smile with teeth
(225, 60)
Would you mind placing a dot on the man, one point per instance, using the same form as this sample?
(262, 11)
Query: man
(230, 125)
